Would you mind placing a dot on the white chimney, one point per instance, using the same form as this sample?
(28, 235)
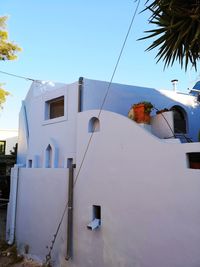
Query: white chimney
(174, 83)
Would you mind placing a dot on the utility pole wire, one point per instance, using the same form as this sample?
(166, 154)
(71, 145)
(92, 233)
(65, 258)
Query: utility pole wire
(17, 76)
(109, 85)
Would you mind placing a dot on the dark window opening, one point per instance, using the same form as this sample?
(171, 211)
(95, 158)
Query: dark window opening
(2, 147)
(30, 163)
(55, 107)
(194, 160)
(180, 124)
(96, 212)
(96, 218)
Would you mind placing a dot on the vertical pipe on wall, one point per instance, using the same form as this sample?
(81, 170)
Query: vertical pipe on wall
(80, 93)
(12, 206)
(71, 167)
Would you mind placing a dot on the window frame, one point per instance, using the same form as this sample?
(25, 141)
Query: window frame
(50, 104)
(51, 98)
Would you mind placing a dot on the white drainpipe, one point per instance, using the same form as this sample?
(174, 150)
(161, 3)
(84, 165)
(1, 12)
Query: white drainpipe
(12, 206)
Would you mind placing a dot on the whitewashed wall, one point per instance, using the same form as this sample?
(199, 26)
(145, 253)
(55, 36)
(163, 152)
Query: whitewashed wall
(60, 131)
(35, 133)
(148, 196)
(121, 97)
(42, 196)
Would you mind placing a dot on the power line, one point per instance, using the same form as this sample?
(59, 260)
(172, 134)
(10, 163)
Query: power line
(48, 256)
(18, 76)
(109, 85)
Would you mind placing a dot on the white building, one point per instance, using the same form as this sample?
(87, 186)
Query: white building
(136, 185)
(8, 140)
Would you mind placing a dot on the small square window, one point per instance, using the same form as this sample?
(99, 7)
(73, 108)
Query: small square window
(96, 212)
(55, 108)
(194, 160)
(96, 218)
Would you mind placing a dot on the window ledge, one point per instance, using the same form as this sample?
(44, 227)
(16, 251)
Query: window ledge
(55, 120)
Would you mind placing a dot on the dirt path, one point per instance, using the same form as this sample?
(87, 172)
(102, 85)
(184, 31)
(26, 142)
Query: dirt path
(10, 258)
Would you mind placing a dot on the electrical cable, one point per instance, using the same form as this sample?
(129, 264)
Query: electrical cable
(48, 256)
(18, 76)
(108, 88)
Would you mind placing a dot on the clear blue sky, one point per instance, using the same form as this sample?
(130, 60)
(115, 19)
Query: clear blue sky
(63, 40)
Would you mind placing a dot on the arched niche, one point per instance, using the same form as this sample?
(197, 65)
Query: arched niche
(51, 155)
(94, 125)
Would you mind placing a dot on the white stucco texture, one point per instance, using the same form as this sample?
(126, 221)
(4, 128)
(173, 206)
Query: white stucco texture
(148, 198)
(42, 197)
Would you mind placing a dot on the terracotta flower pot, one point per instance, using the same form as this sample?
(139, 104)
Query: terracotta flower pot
(140, 116)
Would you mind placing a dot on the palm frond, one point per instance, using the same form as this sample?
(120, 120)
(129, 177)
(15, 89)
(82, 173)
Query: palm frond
(177, 31)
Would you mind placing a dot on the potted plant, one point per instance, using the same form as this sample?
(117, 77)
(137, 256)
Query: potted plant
(140, 112)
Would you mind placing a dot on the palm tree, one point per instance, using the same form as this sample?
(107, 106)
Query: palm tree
(177, 31)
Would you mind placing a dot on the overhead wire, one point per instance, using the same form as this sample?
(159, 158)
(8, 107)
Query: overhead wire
(109, 85)
(48, 256)
(17, 76)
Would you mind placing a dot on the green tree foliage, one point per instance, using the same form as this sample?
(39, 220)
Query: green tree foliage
(8, 51)
(177, 31)
(3, 95)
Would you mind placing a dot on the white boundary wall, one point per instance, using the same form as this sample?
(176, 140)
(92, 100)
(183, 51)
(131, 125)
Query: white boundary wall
(42, 196)
(149, 198)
